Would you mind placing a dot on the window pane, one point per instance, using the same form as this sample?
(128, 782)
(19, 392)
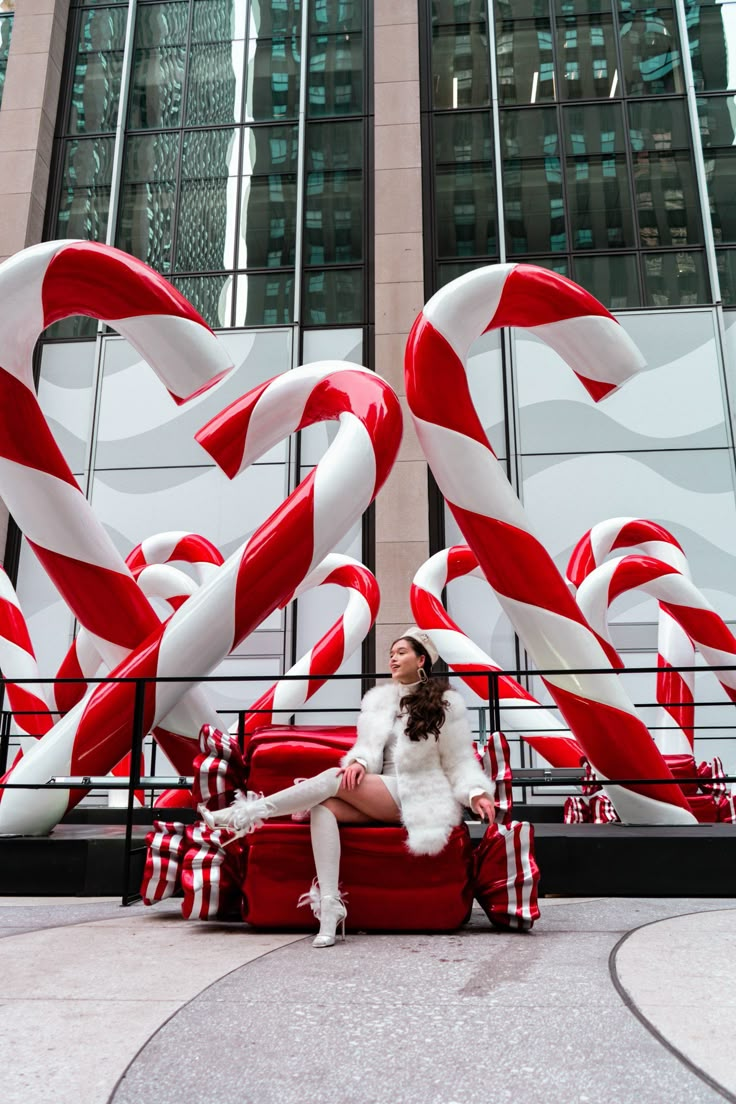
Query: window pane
(720, 172)
(525, 62)
(97, 68)
(521, 9)
(583, 7)
(333, 297)
(726, 259)
(717, 116)
(650, 52)
(674, 279)
(597, 129)
(6, 30)
(205, 237)
(466, 211)
(85, 190)
(147, 198)
(268, 221)
(335, 15)
(274, 17)
(447, 12)
(265, 299)
(210, 295)
(214, 83)
(554, 264)
(218, 20)
(532, 181)
(659, 125)
(450, 271)
(334, 202)
(335, 75)
(460, 66)
(712, 34)
(587, 58)
(270, 149)
(614, 280)
(158, 66)
(666, 199)
(273, 79)
(598, 189)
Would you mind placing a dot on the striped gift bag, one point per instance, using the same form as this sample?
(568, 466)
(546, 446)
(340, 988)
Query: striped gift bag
(212, 874)
(219, 770)
(162, 873)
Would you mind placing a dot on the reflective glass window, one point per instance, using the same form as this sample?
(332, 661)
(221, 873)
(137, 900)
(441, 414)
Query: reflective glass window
(666, 199)
(597, 178)
(84, 201)
(726, 261)
(587, 65)
(525, 61)
(650, 51)
(147, 198)
(460, 66)
(720, 172)
(613, 279)
(159, 65)
(532, 182)
(335, 74)
(447, 271)
(215, 68)
(268, 204)
(332, 296)
(269, 18)
(659, 125)
(273, 79)
(333, 216)
(448, 12)
(717, 118)
(207, 205)
(97, 68)
(712, 34)
(675, 279)
(464, 186)
(265, 299)
(6, 30)
(211, 295)
(336, 16)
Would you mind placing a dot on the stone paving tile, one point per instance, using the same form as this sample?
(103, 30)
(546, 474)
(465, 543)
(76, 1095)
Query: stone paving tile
(36, 916)
(470, 1018)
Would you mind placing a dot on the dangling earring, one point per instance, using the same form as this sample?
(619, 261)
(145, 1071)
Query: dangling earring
(423, 675)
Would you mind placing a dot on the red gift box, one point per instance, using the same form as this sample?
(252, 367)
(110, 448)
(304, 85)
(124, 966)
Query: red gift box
(386, 888)
(162, 873)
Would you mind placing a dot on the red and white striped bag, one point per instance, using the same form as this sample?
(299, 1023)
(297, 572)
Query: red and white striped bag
(219, 770)
(212, 874)
(162, 873)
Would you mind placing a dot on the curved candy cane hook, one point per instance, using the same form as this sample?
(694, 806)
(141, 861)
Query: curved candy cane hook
(253, 582)
(675, 689)
(535, 724)
(679, 596)
(518, 567)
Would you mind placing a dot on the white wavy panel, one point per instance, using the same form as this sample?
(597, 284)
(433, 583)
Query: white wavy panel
(327, 345)
(132, 504)
(689, 492)
(485, 380)
(141, 426)
(678, 401)
(50, 623)
(65, 392)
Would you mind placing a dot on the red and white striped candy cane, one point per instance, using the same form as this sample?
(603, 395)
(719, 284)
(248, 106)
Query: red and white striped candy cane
(37, 287)
(333, 649)
(518, 567)
(18, 661)
(675, 689)
(253, 582)
(520, 710)
(83, 658)
(679, 596)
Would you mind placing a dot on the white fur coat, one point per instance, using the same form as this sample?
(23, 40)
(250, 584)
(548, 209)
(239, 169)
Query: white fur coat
(434, 777)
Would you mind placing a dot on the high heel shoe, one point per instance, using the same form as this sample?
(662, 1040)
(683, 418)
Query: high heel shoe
(244, 815)
(330, 911)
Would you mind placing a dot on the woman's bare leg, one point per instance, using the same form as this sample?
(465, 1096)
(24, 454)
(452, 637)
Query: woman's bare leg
(371, 798)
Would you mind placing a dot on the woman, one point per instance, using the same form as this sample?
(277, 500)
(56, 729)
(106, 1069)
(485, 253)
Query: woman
(412, 762)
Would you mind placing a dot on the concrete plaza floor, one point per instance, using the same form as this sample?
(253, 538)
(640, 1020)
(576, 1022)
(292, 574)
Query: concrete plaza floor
(609, 1000)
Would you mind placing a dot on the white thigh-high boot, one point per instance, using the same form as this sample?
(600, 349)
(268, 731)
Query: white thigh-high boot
(248, 811)
(324, 896)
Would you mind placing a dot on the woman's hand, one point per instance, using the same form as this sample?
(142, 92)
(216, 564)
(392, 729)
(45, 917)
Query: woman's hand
(483, 808)
(353, 775)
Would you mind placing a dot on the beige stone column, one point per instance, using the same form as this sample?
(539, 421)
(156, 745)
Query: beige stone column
(402, 533)
(27, 121)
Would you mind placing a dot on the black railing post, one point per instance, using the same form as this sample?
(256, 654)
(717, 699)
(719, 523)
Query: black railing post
(241, 731)
(494, 703)
(139, 705)
(5, 740)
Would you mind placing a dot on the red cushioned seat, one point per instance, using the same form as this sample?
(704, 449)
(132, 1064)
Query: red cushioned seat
(276, 755)
(387, 888)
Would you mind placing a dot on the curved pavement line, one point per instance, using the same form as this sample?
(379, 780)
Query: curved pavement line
(630, 1003)
(163, 1024)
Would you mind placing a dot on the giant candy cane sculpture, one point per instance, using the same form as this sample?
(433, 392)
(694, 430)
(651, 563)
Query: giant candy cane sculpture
(675, 689)
(18, 661)
(253, 582)
(678, 594)
(520, 710)
(518, 567)
(37, 287)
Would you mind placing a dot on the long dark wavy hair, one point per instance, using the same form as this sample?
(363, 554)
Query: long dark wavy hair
(426, 704)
